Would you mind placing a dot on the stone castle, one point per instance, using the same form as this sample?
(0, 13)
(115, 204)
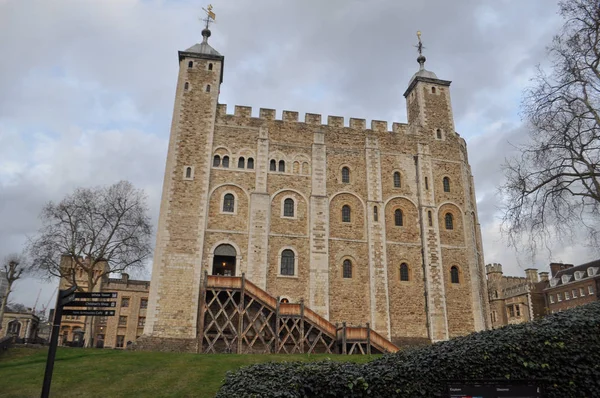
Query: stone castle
(373, 224)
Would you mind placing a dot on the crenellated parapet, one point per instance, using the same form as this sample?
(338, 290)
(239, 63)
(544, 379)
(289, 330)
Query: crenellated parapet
(313, 119)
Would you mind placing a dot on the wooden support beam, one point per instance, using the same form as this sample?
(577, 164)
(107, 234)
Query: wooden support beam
(277, 320)
(241, 313)
(201, 314)
(368, 339)
(302, 326)
(344, 351)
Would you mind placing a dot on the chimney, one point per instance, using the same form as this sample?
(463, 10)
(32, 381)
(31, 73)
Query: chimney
(531, 275)
(124, 277)
(556, 267)
(544, 276)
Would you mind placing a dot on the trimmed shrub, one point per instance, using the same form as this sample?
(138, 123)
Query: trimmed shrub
(561, 349)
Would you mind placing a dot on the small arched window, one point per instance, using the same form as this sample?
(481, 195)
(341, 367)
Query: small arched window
(216, 161)
(404, 272)
(495, 294)
(241, 163)
(305, 169)
(225, 161)
(345, 175)
(398, 218)
(208, 88)
(446, 182)
(188, 172)
(210, 66)
(397, 180)
(432, 90)
(438, 134)
(288, 207)
(449, 221)
(250, 163)
(454, 278)
(347, 269)
(287, 262)
(273, 165)
(228, 203)
(345, 213)
(430, 219)
(186, 86)
(282, 166)
(191, 64)
(296, 168)
(375, 215)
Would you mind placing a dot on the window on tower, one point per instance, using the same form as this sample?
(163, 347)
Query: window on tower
(449, 221)
(216, 161)
(438, 134)
(287, 262)
(186, 86)
(228, 203)
(226, 161)
(250, 163)
(210, 66)
(432, 90)
(375, 215)
(345, 175)
(454, 277)
(191, 64)
(398, 218)
(345, 213)
(347, 269)
(282, 166)
(208, 88)
(188, 172)
(273, 165)
(241, 163)
(404, 272)
(288, 207)
(446, 182)
(397, 180)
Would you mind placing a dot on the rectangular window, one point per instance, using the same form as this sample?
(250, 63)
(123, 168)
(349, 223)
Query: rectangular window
(559, 297)
(567, 295)
(426, 183)
(143, 303)
(581, 292)
(141, 321)
(590, 289)
(511, 311)
(551, 299)
(125, 302)
(122, 320)
(518, 308)
(574, 293)
(120, 340)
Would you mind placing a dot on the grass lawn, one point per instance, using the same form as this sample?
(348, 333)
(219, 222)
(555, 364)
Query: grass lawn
(109, 373)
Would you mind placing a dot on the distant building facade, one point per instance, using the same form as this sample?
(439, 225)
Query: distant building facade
(515, 299)
(22, 325)
(572, 286)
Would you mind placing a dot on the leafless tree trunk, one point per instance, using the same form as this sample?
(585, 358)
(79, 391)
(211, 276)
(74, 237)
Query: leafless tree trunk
(552, 189)
(13, 267)
(94, 232)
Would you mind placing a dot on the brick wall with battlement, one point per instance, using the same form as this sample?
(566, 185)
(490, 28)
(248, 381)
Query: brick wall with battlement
(365, 224)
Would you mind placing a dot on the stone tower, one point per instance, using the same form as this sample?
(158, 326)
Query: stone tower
(372, 224)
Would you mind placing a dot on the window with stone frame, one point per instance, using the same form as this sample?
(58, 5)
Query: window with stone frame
(216, 161)
(120, 341)
(143, 303)
(251, 163)
(446, 183)
(345, 175)
(574, 293)
(287, 262)
(375, 215)
(438, 134)
(518, 309)
(141, 321)
(449, 221)
(559, 297)
(191, 64)
(454, 275)
(346, 213)
(511, 311)
(125, 302)
(397, 180)
(430, 218)
(581, 292)
(288, 207)
(188, 172)
(122, 320)
(14, 327)
(225, 161)
(241, 162)
(567, 295)
(398, 221)
(347, 271)
(228, 203)
(590, 289)
(404, 275)
(272, 165)
(281, 166)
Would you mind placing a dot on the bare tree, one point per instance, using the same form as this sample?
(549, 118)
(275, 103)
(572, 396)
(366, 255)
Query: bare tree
(13, 267)
(552, 189)
(93, 232)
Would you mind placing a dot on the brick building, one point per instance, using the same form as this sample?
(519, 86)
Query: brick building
(515, 299)
(572, 286)
(366, 224)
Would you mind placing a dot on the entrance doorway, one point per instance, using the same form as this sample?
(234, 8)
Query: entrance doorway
(224, 260)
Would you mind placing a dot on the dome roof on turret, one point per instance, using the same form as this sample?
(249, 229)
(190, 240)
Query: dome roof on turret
(204, 47)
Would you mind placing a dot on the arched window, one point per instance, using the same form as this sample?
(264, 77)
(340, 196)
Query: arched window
(404, 272)
(397, 180)
(432, 90)
(282, 166)
(210, 66)
(398, 218)
(454, 275)
(228, 203)
(250, 163)
(225, 161)
(438, 134)
(296, 168)
(241, 162)
(375, 215)
(345, 175)
(449, 221)
(273, 165)
(305, 169)
(208, 88)
(446, 182)
(287, 262)
(14, 327)
(347, 269)
(495, 294)
(216, 161)
(345, 213)
(190, 64)
(186, 86)
(188, 172)
(288, 207)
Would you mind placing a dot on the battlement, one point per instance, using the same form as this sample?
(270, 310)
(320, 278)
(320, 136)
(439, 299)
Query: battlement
(494, 267)
(312, 119)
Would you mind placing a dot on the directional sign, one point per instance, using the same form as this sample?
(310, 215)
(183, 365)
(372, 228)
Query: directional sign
(104, 295)
(92, 304)
(90, 312)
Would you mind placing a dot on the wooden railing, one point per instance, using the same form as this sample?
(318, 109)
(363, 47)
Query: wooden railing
(319, 321)
(383, 343)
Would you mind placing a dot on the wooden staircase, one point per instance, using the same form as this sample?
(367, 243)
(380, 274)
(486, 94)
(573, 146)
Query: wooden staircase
(236, 316)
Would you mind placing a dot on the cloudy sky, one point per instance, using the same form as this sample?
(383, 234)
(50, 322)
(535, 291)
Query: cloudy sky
(87, 87)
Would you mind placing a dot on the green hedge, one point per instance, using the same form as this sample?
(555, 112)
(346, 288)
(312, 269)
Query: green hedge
(563, 349)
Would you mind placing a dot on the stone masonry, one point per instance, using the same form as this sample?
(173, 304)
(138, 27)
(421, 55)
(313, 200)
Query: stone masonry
(247, 190)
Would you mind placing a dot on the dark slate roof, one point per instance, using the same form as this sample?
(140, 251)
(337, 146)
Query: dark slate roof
(571, 272)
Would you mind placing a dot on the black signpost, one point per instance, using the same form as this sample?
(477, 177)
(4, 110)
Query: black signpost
(66, 299)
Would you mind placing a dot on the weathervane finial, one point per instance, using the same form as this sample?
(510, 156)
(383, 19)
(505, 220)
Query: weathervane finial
(210, 17)
(421, 58)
